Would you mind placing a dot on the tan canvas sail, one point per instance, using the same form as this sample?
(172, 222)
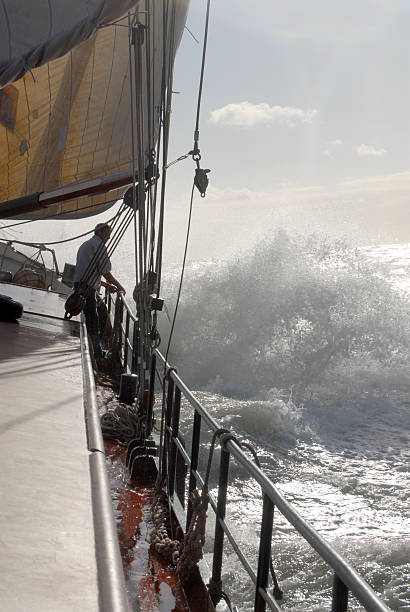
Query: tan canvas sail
(67, 122)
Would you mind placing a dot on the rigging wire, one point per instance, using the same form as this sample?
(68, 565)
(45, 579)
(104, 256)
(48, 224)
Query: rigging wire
(188, 30)
(196, 156)
(181, 158)
(116, 22)
(150, 120)
(34, 244)
(134, 200)
(182, 274)
(138, 42)
(165, 125)
(201, 79)
(167, 87)
(92, 271)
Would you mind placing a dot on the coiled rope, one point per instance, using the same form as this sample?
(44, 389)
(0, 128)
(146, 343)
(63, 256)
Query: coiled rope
(169, 548)
(120, 423)
(185, 555)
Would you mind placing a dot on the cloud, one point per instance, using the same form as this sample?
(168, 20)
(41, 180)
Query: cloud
(248, 115)
(332, 147)
(385, 184)
(364, 150)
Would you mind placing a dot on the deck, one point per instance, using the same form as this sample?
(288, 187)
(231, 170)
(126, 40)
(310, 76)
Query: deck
(49, 531)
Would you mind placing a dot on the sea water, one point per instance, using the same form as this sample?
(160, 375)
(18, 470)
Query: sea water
(301, 347)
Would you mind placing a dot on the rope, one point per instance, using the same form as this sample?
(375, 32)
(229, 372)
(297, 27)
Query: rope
(200, 179)
(196, 133)
(181, 158)
(119, 423)
(195, 537)
(35, 244)
(134, 200)
(182, 274)
(171, 549)
(195, 39)
(105, 250)
(163, 544)
(92, 270)
(166, 87)
(185, 555)
(142, 237)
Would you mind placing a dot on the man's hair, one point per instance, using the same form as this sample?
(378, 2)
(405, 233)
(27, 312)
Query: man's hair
(101, 226)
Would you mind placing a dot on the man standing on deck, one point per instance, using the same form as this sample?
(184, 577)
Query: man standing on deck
(92, 263)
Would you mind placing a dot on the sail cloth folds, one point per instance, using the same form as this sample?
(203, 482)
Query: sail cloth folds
(65, 110)
(34, 32)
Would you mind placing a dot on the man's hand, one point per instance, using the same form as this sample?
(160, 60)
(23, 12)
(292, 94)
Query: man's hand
(109, 286)
(114, 283)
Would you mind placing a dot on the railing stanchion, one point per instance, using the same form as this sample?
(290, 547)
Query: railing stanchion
(135, 339)
(151, 393)
(173, 450)
(127, 333)
(118, 313)
(196, 439)
(264, 553)
(220, 514)
(168, 416)
(340, 595)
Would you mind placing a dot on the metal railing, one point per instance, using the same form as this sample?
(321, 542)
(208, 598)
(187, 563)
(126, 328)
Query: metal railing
(345, 580)
(125, 330)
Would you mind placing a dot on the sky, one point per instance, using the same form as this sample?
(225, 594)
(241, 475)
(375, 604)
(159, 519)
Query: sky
(304, 125)
(304, 119)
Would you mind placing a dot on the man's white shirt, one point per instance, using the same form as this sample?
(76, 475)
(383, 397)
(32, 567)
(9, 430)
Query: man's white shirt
(101, 265)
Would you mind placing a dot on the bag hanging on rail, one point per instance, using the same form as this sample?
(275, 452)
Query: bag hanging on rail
(74, 304)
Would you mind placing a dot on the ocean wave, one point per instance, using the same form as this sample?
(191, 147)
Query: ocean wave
(306, 315)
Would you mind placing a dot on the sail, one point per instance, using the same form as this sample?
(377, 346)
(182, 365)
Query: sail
(66, 122)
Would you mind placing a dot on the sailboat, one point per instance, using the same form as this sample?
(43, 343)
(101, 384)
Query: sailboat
(85, 101)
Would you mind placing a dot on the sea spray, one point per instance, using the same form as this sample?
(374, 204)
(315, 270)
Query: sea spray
(301, 314)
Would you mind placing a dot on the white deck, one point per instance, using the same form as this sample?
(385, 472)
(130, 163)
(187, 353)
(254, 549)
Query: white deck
(47, 549)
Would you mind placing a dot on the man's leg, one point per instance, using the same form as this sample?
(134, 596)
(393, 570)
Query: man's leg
(102, 316)
(91, 320)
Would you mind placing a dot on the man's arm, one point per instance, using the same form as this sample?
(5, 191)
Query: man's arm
(113, 281)
(111, 288)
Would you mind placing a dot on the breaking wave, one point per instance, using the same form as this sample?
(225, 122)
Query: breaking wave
(301, 317)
